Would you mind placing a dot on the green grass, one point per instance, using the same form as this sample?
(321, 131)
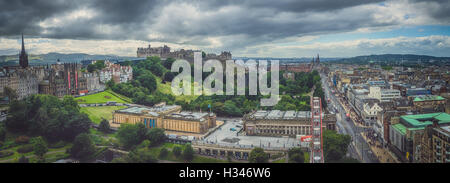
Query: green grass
(202, 159)
(97, 113)
(99, 133)
(102, 97)
(306, 154)
(126, 99)
(282, 160)
(50, 158)
(17, 155)
(166, 88)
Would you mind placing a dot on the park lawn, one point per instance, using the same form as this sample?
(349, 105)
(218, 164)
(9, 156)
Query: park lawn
(126, 99)
(100, 98)
(17, 155)
(96, 132)
(97, 113)
(166, 88)
(50, 158)
(306, 154)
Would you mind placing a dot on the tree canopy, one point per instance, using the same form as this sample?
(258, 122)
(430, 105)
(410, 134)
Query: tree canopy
(296, 155)
(39, 147)
(130, 135)
(335, 145)
(46, 115)
(83, 147)
(257, 155)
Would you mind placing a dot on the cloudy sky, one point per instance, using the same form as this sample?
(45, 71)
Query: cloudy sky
(282, 28)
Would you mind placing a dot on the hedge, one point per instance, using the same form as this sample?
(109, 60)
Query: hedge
(5, 153)
(25, 149)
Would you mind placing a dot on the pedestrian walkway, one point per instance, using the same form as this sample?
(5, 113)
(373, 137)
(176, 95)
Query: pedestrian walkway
(383, 154)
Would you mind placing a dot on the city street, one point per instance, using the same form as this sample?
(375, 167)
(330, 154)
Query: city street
(359, 149)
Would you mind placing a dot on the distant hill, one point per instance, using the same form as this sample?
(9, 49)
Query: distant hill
(287, 60)
(395, 59)
(51, 58)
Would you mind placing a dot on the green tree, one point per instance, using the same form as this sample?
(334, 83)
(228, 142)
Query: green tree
(296, 155)
(130, 135)
(83, 147)
(148, 81)
(142, 155)
(176, 151)
(168, 76)
(231, 109)
(99, 64)
(156, 136)
(188, 153)
(335, 145)
(110, 84)
(2, 132)
(40, 147)
(257, 155)
(163, 152)
(48, 116)
(104, 126)
(168, 63)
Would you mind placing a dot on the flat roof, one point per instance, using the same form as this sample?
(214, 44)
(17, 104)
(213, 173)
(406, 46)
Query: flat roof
(400, 128)
(138, 110)
(428, 98)
(277, 114)
(189, 115)
(422, 120)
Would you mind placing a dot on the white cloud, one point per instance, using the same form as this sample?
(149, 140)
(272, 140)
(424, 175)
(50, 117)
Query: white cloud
(429, 45)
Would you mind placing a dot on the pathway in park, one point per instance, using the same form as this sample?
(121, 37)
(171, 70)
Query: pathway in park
(30, 156)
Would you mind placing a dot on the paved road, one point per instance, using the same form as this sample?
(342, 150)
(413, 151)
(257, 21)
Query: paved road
(359, 146)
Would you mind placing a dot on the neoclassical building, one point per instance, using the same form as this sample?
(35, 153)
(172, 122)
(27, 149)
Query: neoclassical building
(283, 123)
(168, 117)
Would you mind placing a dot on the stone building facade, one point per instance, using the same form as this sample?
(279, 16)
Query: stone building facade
(168, 117)
(284, 123)
(188, 55)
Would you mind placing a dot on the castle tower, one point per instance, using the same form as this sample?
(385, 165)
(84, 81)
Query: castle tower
(23, 58)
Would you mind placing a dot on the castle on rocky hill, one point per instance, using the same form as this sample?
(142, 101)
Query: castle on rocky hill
(164, 52)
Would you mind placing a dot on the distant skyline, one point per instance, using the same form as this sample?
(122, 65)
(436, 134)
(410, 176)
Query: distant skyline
(284, 29)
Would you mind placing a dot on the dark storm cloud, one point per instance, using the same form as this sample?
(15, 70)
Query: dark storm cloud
(130, 17)
(127, 18)
(258, 21)
(440, 10)
(288, 5)
(18, 16)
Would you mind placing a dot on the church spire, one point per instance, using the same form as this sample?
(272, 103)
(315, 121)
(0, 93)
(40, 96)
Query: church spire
(23, 58)
(23, 44)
